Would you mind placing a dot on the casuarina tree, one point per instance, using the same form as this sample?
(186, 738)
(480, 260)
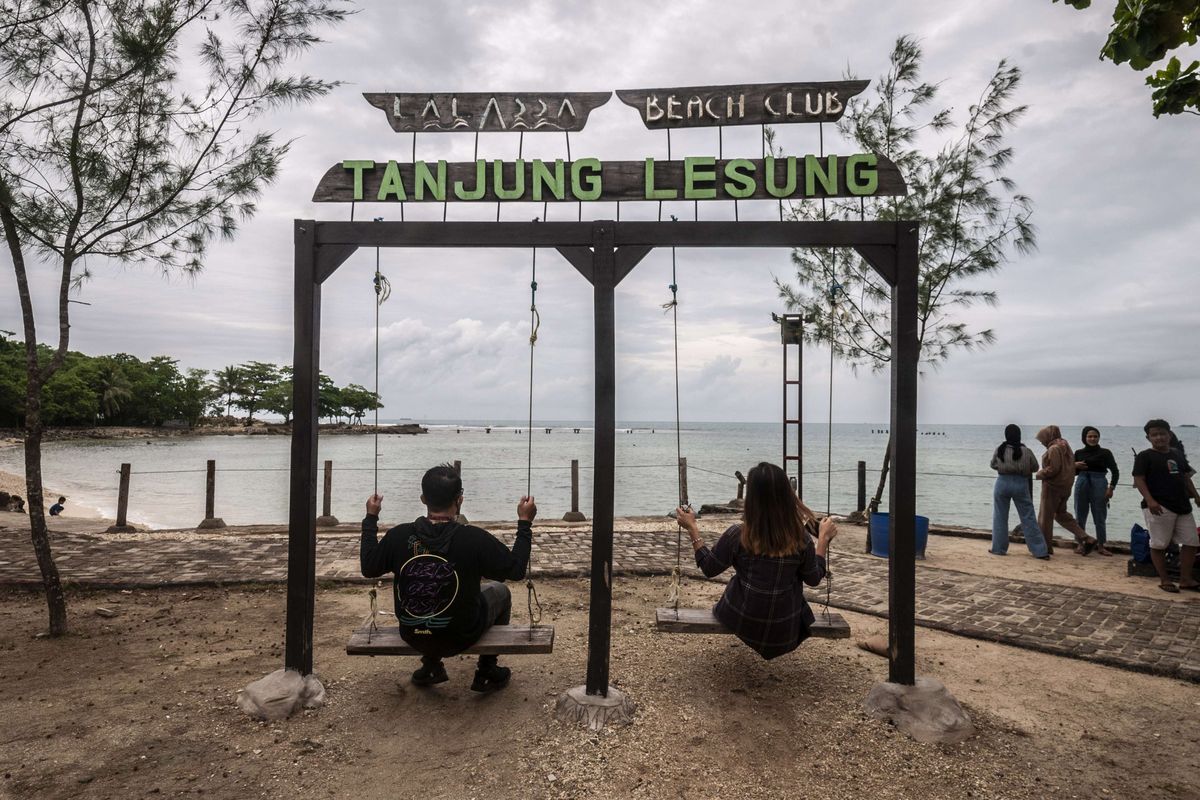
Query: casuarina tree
(972, 220)
(127, 133)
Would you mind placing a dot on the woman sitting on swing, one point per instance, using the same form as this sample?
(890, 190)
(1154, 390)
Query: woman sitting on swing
(773, 554)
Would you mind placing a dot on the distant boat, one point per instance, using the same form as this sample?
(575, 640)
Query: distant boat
(1187, 425)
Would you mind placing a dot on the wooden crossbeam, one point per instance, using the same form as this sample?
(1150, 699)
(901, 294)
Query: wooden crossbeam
(498, 640)
(701, 620)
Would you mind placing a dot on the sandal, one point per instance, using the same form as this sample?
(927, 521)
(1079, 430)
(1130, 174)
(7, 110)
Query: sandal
(1104, 551)
(1088, 546)
(1169, 587)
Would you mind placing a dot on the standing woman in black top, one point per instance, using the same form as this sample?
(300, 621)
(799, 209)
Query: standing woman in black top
(773, 554)
(1092, 488)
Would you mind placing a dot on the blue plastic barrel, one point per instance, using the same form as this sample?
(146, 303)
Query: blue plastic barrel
(880, 529)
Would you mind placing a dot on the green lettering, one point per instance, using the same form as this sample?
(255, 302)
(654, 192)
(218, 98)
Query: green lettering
(864, 180)
(813, 172)
(391, 183)
(694, 170)
(740, 183)
(585, 179)
(518, 189)
(461, 192)
(789, 185)
(424, 179)
(358, 167)
(554, 182)
(653, 193)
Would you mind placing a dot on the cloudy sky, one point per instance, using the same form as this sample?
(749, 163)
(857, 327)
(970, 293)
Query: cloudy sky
(1098, 326)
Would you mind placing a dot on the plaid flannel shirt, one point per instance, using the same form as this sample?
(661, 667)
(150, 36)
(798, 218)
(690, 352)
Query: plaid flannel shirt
(764, 602)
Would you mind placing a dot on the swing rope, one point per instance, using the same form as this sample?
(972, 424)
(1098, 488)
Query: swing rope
(673, 307)
(535, 322)
(383, 290)
(834, 288)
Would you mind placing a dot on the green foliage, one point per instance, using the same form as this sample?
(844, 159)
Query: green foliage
(358, 400)
(1144, 32)
(971, 218)
(257, 378)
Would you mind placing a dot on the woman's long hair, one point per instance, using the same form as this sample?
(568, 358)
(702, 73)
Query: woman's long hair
(774, 519)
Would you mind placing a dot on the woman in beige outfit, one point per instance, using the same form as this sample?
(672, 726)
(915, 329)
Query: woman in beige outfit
(1058, 478)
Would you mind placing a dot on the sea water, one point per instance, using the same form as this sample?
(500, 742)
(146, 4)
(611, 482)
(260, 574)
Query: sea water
(954, 481)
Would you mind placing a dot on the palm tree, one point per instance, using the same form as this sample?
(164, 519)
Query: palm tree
(228, 383)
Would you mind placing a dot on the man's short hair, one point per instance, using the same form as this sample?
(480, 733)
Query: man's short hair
(1156, 423)
(441, 486)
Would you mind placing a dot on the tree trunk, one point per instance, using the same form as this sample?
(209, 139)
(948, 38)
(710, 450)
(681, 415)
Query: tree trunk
(873, 506)
(56, 600)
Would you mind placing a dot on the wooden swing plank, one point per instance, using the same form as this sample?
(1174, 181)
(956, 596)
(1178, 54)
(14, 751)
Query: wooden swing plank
(701, 620)
(498, 640)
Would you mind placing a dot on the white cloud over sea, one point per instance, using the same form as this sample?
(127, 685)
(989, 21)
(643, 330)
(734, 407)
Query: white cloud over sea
(1094, 327)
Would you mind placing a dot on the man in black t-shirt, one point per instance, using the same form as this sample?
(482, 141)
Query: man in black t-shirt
(437, 565)
(1163, 477)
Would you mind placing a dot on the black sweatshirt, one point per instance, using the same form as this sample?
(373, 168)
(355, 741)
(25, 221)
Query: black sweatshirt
(437, 569)
(1099, 459)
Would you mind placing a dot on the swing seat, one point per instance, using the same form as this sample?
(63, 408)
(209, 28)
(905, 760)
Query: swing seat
(497, 640)
(701, 620)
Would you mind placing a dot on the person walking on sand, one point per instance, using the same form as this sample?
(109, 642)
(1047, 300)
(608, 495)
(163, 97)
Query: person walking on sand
(1058, 476)
(437, 565)
(1093, 489)
(1015, 464)
(773, 555)
(1162, 476)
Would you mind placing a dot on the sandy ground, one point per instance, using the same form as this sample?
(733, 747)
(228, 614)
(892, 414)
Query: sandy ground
(15, 484)
(142, 705)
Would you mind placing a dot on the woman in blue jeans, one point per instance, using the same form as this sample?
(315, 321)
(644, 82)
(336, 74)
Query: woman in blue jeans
(1015, 464)
(1094, 484)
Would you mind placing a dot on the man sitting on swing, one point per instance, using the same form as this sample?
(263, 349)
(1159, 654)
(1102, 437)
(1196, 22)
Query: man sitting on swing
(773, 554)
(437, 565)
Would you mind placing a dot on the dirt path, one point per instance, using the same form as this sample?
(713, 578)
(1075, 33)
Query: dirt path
(142, 705)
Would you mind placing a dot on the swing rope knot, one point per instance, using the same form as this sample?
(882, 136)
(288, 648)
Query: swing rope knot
(533, 603)
(673, 594)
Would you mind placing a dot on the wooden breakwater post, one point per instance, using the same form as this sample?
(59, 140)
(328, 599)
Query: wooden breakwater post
(122, 525)
(861, 507)
(740, 500)
(574, 515)
(683, 488)
(211, 520)
(327, 519)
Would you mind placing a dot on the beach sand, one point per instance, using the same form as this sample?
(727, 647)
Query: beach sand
(74, 517)
(142, 704)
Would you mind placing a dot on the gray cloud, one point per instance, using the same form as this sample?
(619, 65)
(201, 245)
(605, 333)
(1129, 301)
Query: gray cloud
(1095, 323)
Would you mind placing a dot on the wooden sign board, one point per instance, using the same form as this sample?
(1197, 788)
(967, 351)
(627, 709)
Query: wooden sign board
(746, 104)
(589, 179)
(487, 111)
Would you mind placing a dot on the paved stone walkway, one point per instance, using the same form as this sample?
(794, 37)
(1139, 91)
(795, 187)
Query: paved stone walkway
(1134, 633)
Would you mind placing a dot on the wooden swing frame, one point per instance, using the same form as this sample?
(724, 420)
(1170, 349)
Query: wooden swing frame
(604, 252)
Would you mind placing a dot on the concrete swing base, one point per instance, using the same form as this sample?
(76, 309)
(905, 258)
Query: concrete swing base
(329, 521)
(574, 516)
(576, 707)
(211, 522)
(925, 711)
(281, 694)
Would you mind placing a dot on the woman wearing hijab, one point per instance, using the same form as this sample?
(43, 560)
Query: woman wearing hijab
(1058, 476)
(1015, 464)
(1094, 484)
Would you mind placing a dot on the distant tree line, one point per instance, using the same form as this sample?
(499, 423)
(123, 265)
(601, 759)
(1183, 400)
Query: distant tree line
(124, 390)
